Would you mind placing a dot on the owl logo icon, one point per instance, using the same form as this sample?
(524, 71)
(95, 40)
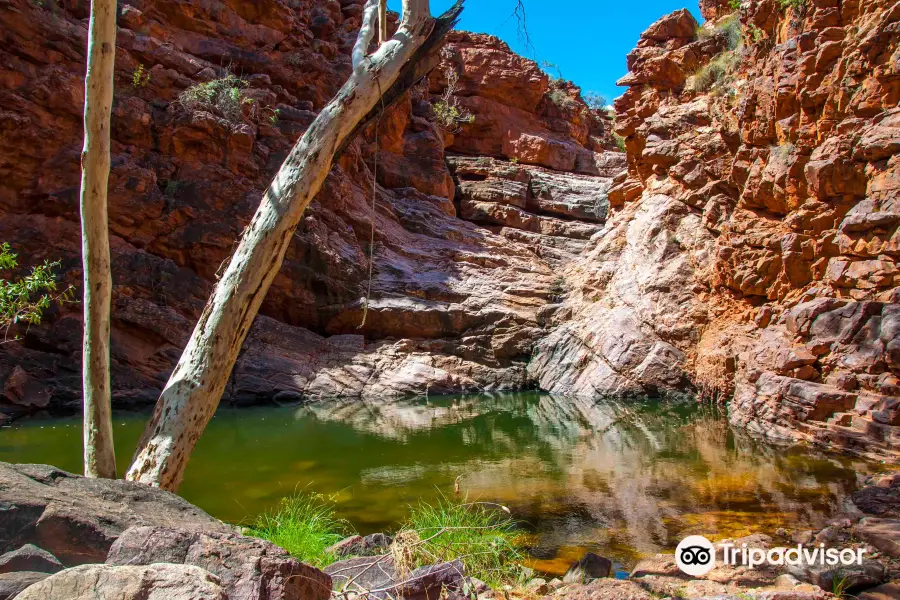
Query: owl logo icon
(695, 556)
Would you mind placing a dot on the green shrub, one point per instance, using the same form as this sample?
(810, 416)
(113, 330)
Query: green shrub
(25, 300)
(716, 73)
(620, 142)
(223, 97)
(482, 535)
(734, 4)
(560, 98)
(596, 101)
(447, 114)
(304, 525)
(140, 77)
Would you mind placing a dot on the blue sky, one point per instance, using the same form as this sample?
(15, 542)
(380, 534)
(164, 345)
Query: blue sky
(588, 39)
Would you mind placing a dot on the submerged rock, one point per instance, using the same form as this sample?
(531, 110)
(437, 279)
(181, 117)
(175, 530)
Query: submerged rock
(588, 568)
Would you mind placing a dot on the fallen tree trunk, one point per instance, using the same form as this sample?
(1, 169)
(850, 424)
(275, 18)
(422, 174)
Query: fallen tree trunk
(99, 454)
(195, 387)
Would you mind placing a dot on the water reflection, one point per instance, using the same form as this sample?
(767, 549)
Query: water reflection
(625, 478)
(628, 478)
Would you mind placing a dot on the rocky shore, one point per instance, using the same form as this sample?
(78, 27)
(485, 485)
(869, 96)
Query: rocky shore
(64, 537)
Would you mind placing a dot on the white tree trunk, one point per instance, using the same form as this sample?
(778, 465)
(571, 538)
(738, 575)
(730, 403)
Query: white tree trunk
(195, 387)
(382, 21)
(99, 454)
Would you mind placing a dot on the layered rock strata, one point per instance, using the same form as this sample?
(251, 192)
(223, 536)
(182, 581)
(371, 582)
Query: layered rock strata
(463, 269)
(751, 247)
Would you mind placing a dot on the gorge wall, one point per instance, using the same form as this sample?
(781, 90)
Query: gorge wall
(753, 240)
(470, 226)
(744, 245)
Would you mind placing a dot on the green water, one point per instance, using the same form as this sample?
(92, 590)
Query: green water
(624, 479)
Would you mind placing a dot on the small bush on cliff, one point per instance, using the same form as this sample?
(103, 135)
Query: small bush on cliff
(729, 29)
(25, 300)
(481, 535)
(448, 115)
(596, 101)
(223, 97)
(304, 525)
(140, 78)
(716, 74)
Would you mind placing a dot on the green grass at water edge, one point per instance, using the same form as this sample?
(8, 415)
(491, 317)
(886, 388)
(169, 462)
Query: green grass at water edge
(304, 525)
(482, 535)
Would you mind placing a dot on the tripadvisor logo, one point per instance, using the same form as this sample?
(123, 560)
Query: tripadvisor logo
(696, 556)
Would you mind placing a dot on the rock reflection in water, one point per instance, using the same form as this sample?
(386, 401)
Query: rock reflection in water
(623, 477)
(626, 477)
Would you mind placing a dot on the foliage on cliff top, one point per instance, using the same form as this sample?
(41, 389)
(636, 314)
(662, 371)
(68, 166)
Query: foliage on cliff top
(304, 525)
(25, 300)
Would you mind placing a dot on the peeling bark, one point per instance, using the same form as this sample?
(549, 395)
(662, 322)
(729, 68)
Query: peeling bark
(99, 454)
(195, 387)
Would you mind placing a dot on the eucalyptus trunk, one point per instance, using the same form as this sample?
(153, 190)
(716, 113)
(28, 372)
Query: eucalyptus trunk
(195, 387)
(99, 454)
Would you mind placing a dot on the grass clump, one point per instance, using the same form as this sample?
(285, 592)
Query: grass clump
(729, 29)
(795, 4)
(223, 97)
(481, 535)
(304, 525)
(715, 75)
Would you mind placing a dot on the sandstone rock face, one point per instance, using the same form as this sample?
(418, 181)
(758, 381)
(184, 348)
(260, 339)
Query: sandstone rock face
(76, 520)
(12, 584)
(152, 582)
(246, 568)
(749, 247)
(29, 558)
(462, 273)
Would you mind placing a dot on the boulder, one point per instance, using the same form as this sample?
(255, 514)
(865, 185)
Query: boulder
(150, 582)
(29, 558)
(880, 496)
(888, 591)
(590, 567)
(77, 519)
(247, 568)
(11, 584)
(357, 545)
(855, 577)
(379, 576)
(883, 534)
(603, 589)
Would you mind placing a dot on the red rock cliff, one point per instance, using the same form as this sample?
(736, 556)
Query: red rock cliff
(753, 243)
(465, 245)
